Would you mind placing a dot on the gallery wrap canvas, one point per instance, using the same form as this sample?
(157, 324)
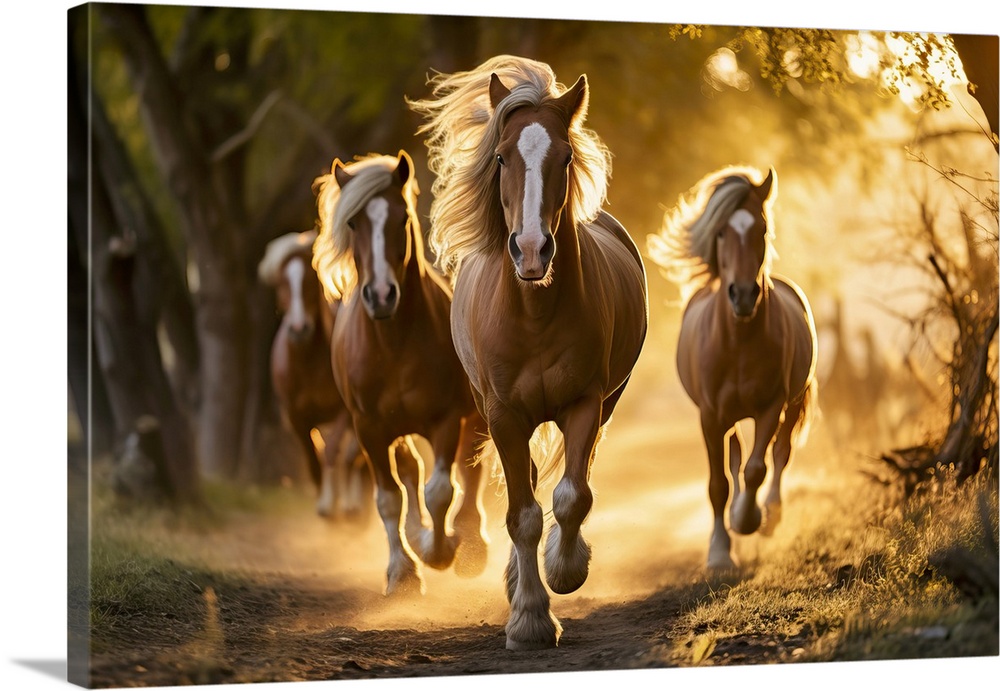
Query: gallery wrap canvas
(652, 348)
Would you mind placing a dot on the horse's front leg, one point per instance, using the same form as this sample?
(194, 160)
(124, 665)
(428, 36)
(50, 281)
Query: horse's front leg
(745, 515)
(531, 625)
(470, 557)
(409, 470)
(402, 574)
(719, 557)
(438, 548)
(567, 554)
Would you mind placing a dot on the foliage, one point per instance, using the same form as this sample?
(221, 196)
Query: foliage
(956, 246)
(918, 61)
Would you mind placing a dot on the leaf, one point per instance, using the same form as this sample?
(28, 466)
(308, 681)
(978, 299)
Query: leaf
(703, 647)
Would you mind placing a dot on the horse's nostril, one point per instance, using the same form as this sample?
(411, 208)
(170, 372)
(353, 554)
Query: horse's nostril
(548, 248)
(390, 297)
(515, 251)
(366, 293)
(732, 292)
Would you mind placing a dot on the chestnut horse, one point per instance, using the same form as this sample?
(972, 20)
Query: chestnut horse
(550, 310)
(395, 365)
(303, 379)
(747, 346)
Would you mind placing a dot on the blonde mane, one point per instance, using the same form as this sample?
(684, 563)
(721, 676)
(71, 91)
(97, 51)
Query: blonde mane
(462, 134)
(279, 250)
(684, 247)
(333, 256)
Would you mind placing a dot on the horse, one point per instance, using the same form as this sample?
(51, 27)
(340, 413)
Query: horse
(302, 377)
(548, 336)
(396, 367)
(747, 346)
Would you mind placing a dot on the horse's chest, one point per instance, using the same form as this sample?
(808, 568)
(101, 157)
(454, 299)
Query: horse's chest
(744, 384)
(546, 376)
(410, 391)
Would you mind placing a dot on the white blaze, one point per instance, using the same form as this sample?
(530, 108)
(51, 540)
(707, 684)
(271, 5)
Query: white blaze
(378, 213)
(295, 271)
(533, 144)
(741, 221)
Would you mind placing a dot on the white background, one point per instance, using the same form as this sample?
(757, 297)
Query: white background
(33, 338)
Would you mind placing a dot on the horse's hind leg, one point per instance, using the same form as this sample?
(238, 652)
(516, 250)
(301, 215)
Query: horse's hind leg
(352, 492)
(329, 442)
(303, 434)
(736, 460)
(470, 557)
(719, 557)
(531, 625)
(781, 453)
(438, 548)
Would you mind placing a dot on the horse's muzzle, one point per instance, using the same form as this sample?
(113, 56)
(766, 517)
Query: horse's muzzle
(532, 255)
(380, 306)
(743, 297)
(301, 333)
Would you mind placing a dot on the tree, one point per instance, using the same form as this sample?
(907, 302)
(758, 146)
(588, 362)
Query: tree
(130, 363)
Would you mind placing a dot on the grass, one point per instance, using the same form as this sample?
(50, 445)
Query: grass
(871, 587)
(133, 580)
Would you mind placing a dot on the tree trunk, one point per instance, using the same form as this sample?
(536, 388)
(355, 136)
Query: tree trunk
(980, 56)
(220, 294)
(125, 340)
(166, 299)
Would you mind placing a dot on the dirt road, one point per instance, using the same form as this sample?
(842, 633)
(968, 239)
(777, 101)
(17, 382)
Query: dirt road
(307, 603)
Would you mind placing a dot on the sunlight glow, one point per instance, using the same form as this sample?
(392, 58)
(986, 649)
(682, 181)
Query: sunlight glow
(862, 54)
(895, 60)
(722, 68)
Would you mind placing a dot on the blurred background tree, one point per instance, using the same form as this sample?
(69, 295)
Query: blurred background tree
(219, 119)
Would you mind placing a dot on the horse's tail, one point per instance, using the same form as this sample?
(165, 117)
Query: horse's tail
(547, 452)
(810, 408)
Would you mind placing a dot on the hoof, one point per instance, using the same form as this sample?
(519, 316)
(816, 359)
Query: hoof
(513, 644)
(405, 587)
(772, 517)
(470, 556)
(403, 580)
(566, 566)
(437, 554)
(745, 519)
(532, 631)
(324, 511)
(720, 563)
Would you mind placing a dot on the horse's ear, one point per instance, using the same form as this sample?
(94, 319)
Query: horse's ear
(498, 91)
(576, 100)
(768, 185)
(340, 174)
(404, 167)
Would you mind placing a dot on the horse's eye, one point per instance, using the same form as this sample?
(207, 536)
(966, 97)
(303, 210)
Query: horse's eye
(500, 160)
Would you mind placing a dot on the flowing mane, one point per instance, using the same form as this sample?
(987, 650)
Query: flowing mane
(333, 257)
(279, 250)
(462, 134)
(685, 245)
